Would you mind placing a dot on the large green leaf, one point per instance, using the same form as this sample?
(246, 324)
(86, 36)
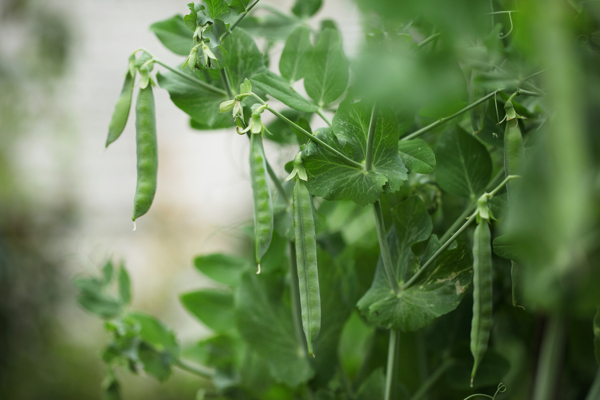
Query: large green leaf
(295, 56)
(223, 268)
(244, 57)
(507, 247)
(153, 332)
(436, 292)
(417, 156)
(373, 387)
(327, 71)
(266, 325)
(217, 8)
(174, 35)
(492, 369)
(278, 88)
(306, 8)
(464, 166)
(333, 178)
(199, 104)
(213, 307)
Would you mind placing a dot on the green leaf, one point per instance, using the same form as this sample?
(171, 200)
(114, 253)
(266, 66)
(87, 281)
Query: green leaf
(294, 59)
(153, 332)
(223, 268)
(373, 387)
(213, 307)
(306, 8)
(157, 364)
(464, 166)
(283, 133)
(124, 285)
(278, 88)
(217, 8)
(597, 335)
(327, 70)
(239, 6)
(246, 86)
(492, 369)
(333, 178)
(174, 35)
(266, 325)
(93, 296)
(506, 247)
(199, 104)
(417, 156)
(107, 272)
(436, 292)
(244, 57)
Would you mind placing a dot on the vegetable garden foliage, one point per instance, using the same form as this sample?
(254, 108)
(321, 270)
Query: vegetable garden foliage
(445, 202)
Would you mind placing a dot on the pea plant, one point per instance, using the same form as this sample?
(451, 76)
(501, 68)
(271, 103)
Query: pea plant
(396, 260)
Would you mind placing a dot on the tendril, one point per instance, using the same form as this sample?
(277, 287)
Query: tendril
(501, 35)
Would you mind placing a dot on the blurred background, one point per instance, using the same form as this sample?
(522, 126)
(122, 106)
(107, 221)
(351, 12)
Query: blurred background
(66, 201)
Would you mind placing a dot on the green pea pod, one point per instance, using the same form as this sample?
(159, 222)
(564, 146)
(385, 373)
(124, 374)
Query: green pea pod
(263, 203)
(481, 324)
(147, 152)
(306, 260)
(121, 112)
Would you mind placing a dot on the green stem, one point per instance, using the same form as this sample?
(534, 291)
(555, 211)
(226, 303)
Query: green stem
(203, 372)
(203, 85)
(239, 19)
(594, 392)
(296, 309)
(227, 83)
(470, 209)
(446, 119)
(323, 117)
(383, 247)
(390, 375)
(548, 371)
(371, 138)
(437, 374)
(428, 40)
(470, 220)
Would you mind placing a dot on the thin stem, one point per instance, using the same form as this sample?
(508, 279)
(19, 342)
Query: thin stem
(227, 83)
(528, 92)
(239, 19)
(471, 208)
(203, 372)
(437, 374)
(428, 40)
(203, 85)
(371, 138)
(383, 246)
(323, 117)
(446, 119)
(470, 220)
(296, 309)
(549, 361)
(390, 376)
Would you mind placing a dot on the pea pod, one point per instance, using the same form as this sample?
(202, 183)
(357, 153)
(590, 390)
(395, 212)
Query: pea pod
(263, 203)
(481, 324)
(121, 112)
(147, 152)
(306, 259)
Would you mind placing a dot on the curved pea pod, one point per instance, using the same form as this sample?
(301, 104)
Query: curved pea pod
(306, 260)
(481, 324)
(121, 112)
(514, 149)
(147, 152)
(263, 203)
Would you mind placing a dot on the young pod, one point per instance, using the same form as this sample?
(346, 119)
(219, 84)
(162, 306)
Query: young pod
(147, 152)
(481, 324)
(263, 203)
(121, 112)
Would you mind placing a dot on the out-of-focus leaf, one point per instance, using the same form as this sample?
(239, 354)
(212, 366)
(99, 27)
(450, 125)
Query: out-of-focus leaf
(306, 8)
(153, 332)
(278, 88)
(222, 268)
(490, 372)
(464, 166)
(373, 387)
(417, 156)
(213, 307)
(283, 133)
(124, 285)
(174, 35)
(157, 364)
(296, 53)
(597, 335)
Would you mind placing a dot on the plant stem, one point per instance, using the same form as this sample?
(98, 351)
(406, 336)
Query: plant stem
(390, 375)
(323, 117)
(453, 237)
(383, 246)
(203, 85)
(226, 83)
(239, 19)
(371, 138)
(594, 392)
(470, 209)
(437, 374)
(428, 40)
(445, 119)
(296, 309)
(203, 372)
(547, 375)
